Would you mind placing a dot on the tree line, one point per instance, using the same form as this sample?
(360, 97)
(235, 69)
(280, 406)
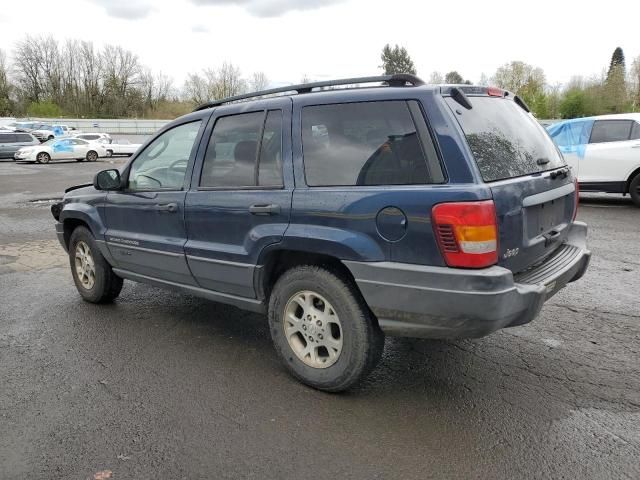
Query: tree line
(46, 78)
(615, 90)
(42, 77)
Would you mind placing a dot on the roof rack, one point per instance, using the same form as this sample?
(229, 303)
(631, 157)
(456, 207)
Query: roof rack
(397, 80)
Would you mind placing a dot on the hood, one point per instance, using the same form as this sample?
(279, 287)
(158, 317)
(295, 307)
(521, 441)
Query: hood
(82, 189)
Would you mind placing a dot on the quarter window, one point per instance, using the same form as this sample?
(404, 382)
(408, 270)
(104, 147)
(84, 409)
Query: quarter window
(244, 150)
(369, 143)
(610, 131)
(635, 131)
(163, 164)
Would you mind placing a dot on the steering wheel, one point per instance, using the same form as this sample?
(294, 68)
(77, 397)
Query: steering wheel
(174, 165)
(150, 178)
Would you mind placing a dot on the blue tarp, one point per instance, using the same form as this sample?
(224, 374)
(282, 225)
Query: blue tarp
(572, 136)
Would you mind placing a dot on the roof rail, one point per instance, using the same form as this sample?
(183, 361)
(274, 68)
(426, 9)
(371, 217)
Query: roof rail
(397, 80)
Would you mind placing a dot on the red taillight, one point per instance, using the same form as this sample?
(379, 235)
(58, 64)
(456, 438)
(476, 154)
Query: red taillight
(467, 233)
(495, 92)
(575, 208)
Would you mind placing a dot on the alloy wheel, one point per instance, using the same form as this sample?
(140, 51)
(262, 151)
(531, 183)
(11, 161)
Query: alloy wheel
(313, 329)
(85, 266)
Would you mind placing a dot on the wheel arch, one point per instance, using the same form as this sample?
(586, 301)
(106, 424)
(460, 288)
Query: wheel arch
(630, 179)
(275, 262)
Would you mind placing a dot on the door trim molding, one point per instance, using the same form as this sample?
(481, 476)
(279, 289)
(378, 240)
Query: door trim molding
(220, 262)
(142, 249)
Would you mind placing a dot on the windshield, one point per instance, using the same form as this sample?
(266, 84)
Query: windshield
(505, 140)
(50, 142)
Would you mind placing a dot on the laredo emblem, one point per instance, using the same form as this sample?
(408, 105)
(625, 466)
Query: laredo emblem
(123, 241)
(511, 252)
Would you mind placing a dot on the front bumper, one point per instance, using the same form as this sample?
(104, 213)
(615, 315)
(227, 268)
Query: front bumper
(21, 156)
(440, 302)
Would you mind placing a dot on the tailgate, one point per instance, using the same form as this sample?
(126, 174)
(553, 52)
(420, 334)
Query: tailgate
(534, 216)
(533, 189)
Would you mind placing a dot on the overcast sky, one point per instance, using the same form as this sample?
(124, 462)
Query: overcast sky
(340, 38)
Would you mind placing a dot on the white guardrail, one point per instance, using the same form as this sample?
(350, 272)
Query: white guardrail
(128, 126)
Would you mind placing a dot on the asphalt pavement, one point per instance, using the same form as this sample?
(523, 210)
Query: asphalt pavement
(161, 385)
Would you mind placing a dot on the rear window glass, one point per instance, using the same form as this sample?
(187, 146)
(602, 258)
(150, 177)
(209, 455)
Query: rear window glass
(368, 143)
(610, 131)
(505, 140)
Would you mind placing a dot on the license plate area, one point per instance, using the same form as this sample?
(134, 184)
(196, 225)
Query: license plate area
(545, 217)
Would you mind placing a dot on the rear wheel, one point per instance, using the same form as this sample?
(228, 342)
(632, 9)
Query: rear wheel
(92, 156)
(50, 137)
(322, 329)
(43, 157)
(634, 190)
(109, 153)
(92, 275)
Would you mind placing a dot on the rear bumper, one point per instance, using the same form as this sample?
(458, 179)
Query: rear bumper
(440, 302)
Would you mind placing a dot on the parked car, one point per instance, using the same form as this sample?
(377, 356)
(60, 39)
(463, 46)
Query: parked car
(122, 147)
(11, 142)
(48, 132)
(603, 151)
(26, 127)
(94, 137)
(346, 214)
(61, 149)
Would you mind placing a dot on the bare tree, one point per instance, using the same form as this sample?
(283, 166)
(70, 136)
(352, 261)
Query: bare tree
(258, 81)
(27, 65)
(5, 86)
(227, 81)
(436, 78)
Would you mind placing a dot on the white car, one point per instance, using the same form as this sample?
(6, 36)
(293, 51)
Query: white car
(62, 149)
(122, 147)
(50, 131)
(603, 151)
(94, 137)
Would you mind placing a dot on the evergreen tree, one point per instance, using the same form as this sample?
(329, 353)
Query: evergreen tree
(396, 60)
(617, 60)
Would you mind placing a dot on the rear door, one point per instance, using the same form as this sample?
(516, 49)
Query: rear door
(240, 199)
(6, 144)
(610, 154)
(532, 187)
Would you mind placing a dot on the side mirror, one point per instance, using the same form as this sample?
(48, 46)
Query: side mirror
(107, 180)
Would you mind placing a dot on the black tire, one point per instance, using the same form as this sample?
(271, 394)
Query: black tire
(362, 339)
(109, 153)
(43, 157)
(92, 156)
(50, 137)
(107, 285)
(634, 190)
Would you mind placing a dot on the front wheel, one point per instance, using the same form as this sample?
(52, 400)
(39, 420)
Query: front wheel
(634, 190)
(92, 275)
(109, 153)
(92, 156)
(322, 329)
(43, 157)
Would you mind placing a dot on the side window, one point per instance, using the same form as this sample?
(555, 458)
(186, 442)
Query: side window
(22, 137)
(610, 131)
(369, 143)
(635, 131)
(238, 145)
(163, 164)
(6, 138)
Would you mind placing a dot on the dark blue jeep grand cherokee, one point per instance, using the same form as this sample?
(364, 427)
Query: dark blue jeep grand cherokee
(345, 213)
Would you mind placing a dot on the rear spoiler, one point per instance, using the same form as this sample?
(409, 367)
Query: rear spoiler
(461, 94)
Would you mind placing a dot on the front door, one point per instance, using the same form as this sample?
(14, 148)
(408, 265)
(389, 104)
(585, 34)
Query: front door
(240, 197)
(145, 222)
